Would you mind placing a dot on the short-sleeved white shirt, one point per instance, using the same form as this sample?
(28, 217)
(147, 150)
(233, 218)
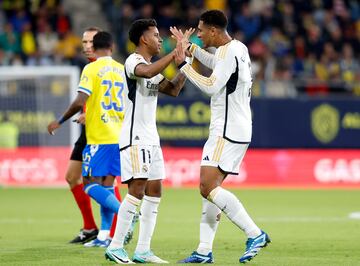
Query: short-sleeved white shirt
(141, 94)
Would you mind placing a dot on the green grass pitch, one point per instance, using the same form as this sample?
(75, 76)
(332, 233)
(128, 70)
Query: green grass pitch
(307, 227)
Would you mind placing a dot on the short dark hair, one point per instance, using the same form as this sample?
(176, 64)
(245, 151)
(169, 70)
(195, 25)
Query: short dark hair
(102, 40)
(93, 28)
(138, 27)
(215, 18)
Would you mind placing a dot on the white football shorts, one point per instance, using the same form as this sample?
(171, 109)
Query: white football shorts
(142, 161)
(223, 154)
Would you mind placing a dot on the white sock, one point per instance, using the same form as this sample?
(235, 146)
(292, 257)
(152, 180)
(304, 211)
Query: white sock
(208, 225)
(148, 215)
(103, 235)
(232, 207)
(125, 215)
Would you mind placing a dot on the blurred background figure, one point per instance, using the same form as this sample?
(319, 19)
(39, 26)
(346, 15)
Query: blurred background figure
(9, 134)
(283, 37)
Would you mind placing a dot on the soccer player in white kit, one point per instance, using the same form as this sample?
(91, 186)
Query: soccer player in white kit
(229, 86)
(142, 162)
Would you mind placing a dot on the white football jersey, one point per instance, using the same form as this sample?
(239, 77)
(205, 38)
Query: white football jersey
(141, 94)
(229, 87)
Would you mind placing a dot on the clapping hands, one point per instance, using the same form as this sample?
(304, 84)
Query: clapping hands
(182, 45)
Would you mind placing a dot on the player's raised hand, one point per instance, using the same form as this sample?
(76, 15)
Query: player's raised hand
(179, 36)
(52, 127)
(188, 33)
(179, 56)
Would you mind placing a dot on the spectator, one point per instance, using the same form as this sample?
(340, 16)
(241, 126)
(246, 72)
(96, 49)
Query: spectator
(19, 20)
(167, 16)
(61, 21)
(28, 44)
(68, 46)
(247, 22)
(276, 32)
(349, 67)
(9, 134)
(47, 41)
(2, 20)
(10, 40)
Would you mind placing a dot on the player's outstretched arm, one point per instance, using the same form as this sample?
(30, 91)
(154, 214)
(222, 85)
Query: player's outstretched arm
(173, 87)
(151, 70)
(74, 107)
(209, 85)
(205, 58)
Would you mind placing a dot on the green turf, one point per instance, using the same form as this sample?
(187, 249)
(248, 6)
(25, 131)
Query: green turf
(307, 227)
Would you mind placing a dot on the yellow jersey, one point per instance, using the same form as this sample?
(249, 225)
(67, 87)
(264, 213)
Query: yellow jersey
(103, 80)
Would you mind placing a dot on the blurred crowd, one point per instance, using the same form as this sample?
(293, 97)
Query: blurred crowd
(296, 46)
(37, 33)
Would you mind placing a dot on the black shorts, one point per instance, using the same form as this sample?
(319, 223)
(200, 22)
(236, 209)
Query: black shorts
(79, 146)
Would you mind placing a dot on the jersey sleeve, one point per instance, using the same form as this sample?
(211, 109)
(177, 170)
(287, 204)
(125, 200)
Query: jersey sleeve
(223, 68)
(158, 79)
(86, 81)
(205, 58)
(131, 63)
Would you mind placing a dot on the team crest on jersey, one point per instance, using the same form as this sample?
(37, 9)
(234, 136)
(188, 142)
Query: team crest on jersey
(93, 149)
(145, 169)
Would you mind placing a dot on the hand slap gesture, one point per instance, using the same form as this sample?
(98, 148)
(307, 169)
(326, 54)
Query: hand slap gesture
(179, 56)
(179, 36)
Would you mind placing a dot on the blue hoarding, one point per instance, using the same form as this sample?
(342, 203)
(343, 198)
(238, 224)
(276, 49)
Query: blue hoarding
(277, 123)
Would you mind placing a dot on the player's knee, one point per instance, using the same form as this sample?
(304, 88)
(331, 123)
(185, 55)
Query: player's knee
(154, 193)
(68, 178)
(108, 181)
(73, 179)
(204, 190)
(86, 181)
(137, 190)
(137, 194)
(153, 188)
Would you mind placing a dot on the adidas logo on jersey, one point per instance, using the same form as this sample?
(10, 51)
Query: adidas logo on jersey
(137, 138)
(206, 158)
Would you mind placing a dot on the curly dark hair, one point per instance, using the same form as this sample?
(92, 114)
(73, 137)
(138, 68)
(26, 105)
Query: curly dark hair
(102, 40)
(215, 18)
(138, 27)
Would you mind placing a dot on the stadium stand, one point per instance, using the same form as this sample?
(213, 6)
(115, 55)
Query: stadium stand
(296, 46)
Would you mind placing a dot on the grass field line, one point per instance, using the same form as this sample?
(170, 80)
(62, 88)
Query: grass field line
(280, 219)
(34, 221)
(305, 219)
